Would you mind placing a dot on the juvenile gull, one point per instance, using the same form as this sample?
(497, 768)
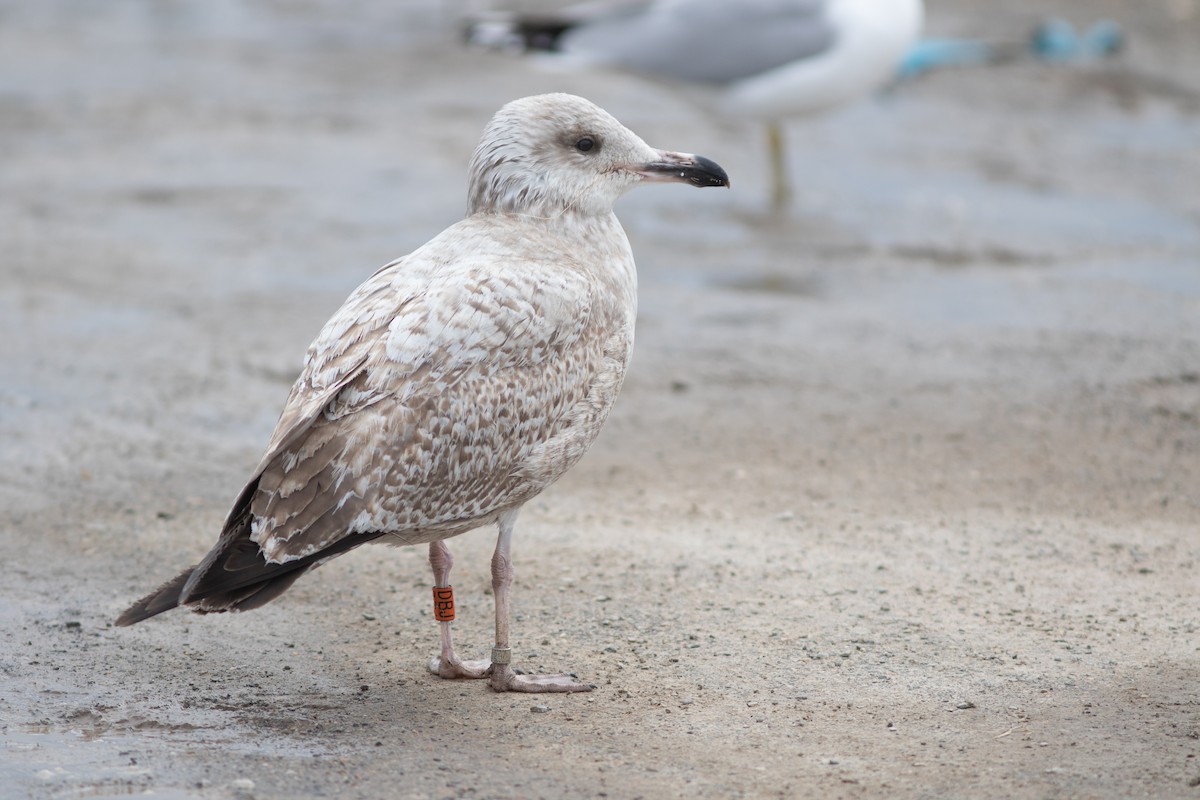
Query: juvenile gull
(770, 59)
(457, 382)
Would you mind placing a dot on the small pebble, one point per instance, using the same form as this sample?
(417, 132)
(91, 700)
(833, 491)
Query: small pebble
(242, 783)
(963, 706)
(539, 709)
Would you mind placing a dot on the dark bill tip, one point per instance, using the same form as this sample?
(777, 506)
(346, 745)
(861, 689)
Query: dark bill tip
(686, 168)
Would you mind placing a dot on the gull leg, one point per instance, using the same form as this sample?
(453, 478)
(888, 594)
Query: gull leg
(781, 187)
(504, 679)
(448, 664)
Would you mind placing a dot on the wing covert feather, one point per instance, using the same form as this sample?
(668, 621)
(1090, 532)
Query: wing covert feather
(438, 394)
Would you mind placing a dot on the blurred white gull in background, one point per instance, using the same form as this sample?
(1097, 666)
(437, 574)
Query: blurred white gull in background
(770, 59)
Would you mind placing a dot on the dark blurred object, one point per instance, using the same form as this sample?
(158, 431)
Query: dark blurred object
(765, 60)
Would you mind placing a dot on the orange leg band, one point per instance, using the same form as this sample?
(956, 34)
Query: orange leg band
(443, 603)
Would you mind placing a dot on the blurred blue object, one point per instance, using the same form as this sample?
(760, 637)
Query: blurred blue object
(1057, 40)
(929, 54)
(1053, 40)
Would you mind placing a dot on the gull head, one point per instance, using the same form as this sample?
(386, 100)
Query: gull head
(554, 154)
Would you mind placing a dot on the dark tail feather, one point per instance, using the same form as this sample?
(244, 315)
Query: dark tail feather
(266, 585)
(234, 576)
(240, 598)
(239, 581)
(250, 597)
(164, 598)
(518, 33)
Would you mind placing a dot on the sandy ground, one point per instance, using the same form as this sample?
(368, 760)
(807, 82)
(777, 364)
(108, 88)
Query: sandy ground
(902, 497)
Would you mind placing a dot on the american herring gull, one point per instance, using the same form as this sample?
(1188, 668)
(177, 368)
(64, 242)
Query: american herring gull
(457, 382)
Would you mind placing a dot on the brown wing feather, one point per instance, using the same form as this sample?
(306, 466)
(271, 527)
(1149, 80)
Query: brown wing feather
(234, 576)
(434, 435)
(443, 391)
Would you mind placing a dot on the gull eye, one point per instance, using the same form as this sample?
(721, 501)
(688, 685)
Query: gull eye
(585, 144)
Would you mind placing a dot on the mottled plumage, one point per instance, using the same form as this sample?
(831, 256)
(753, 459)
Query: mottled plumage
(459, 381)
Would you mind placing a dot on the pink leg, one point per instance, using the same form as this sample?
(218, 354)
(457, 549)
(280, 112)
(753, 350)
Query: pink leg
(504, 679)
(448, 664)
